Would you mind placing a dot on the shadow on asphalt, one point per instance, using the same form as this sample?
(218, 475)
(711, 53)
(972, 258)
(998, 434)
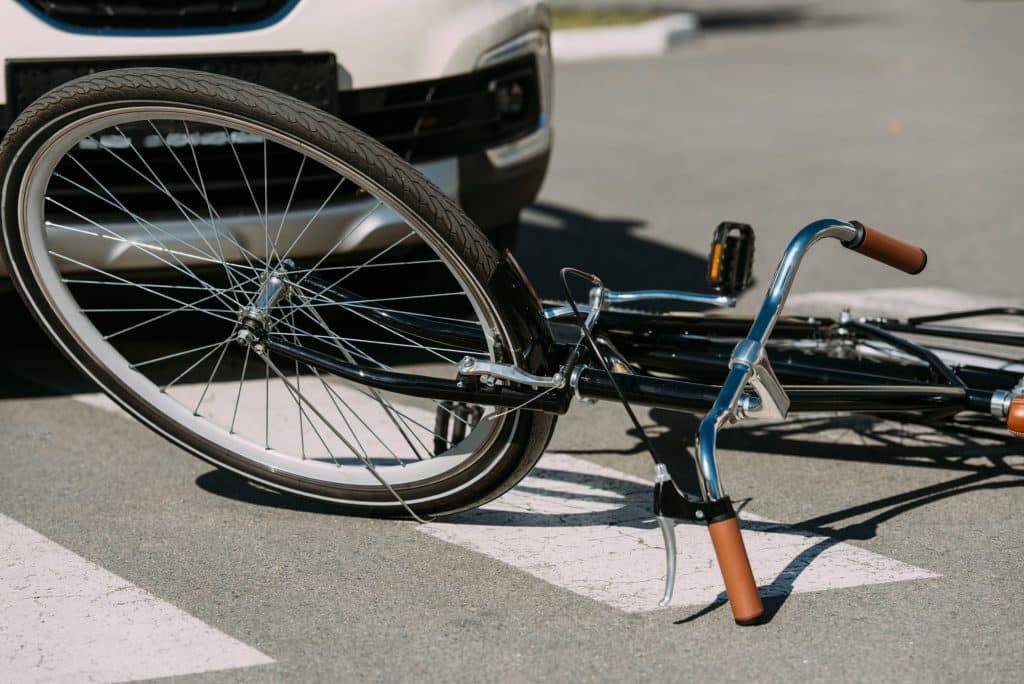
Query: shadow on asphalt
(613, 248)
(552, 236)
(777, 17)
(31, 366)
(980, 456)
(978, 452)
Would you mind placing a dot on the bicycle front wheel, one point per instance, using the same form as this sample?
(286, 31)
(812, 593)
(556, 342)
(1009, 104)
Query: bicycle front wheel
(151, 216)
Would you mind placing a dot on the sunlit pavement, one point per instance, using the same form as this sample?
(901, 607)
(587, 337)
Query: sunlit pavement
(905, 117)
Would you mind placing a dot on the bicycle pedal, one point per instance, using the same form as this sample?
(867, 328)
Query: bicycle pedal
(731, 261)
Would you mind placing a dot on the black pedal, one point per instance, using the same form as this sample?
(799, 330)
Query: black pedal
(731, 264)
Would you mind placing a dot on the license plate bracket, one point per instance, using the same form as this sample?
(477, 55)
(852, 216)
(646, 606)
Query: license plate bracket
(308, 76)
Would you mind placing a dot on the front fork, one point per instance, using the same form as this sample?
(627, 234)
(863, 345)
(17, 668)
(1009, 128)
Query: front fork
(748, 367)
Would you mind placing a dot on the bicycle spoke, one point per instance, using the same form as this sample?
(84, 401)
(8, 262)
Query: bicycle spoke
(322, 269)
(238, 395)
(311, 220)
(148, 321)
(245, 176)
(146, 310)
(436, 351)
(334, 397)
(366, 462)
(288, 205)
(386, 405)
(361, 390)
(211, 212)
(181, 208)
(403, 312)
(179, 267)
(145, 289)
(112, 200)
(344, 235)
(376, 256)
(174, 355)
(324, 301)
(213, 373)
(155, 286)
(350, 348)
(189, 369)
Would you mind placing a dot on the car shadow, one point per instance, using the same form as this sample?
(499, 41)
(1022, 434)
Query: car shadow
(552, 236)
(31, 365)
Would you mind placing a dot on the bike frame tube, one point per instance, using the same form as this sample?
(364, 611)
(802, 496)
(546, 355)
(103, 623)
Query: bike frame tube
(868, 393)
(642, 390)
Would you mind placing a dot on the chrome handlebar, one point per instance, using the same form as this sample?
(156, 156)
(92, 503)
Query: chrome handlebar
(748, 365)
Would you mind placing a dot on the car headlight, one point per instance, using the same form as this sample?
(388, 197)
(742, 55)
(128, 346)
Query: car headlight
(535, 42)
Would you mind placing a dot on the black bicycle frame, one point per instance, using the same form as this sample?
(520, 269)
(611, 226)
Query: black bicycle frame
(813, 383)
(694, 348)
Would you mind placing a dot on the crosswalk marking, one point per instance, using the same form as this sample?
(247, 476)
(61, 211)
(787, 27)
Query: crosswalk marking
(65, 619)
(589, 529)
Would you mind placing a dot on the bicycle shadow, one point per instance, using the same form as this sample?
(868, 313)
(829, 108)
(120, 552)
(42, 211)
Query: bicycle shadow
(560, 497)
(983, 456)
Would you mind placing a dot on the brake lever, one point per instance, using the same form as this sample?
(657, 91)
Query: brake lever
(670, 505)
(668, 526)
(668, 533)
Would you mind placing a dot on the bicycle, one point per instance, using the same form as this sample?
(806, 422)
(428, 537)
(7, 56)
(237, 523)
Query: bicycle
(351, 336)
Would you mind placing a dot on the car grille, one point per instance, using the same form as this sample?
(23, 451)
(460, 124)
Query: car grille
(159, 14)
(420, 121)
(449, 116)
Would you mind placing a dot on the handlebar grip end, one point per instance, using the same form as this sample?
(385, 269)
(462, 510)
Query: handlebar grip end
(1015, 416)
(740, 586)
(873, 243)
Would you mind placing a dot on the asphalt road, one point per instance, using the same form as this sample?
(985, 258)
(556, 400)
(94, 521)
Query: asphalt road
(903, 114)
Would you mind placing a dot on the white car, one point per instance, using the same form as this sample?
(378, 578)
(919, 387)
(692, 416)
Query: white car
(460, 87)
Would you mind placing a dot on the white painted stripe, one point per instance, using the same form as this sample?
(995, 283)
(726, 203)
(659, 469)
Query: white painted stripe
(65, 619)
(903, 302)
(589, 529)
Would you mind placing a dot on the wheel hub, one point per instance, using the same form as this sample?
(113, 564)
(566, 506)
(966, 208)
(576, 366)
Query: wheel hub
(255, 319)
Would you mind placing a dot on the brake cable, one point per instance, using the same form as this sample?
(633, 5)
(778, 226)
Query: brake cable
(585, 335)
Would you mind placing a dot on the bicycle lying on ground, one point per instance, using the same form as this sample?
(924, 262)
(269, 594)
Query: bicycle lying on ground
(369, 347)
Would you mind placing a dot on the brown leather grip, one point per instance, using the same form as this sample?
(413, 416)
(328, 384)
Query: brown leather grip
(1015, 418)
(892, 252)
(746, 604)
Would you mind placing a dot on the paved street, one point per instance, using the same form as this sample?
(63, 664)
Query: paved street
(898, 551)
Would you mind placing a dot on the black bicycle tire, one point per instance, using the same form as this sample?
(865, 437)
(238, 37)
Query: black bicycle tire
(521, 443)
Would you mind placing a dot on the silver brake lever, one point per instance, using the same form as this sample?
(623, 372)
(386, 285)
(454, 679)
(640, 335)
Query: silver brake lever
(668, 533)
